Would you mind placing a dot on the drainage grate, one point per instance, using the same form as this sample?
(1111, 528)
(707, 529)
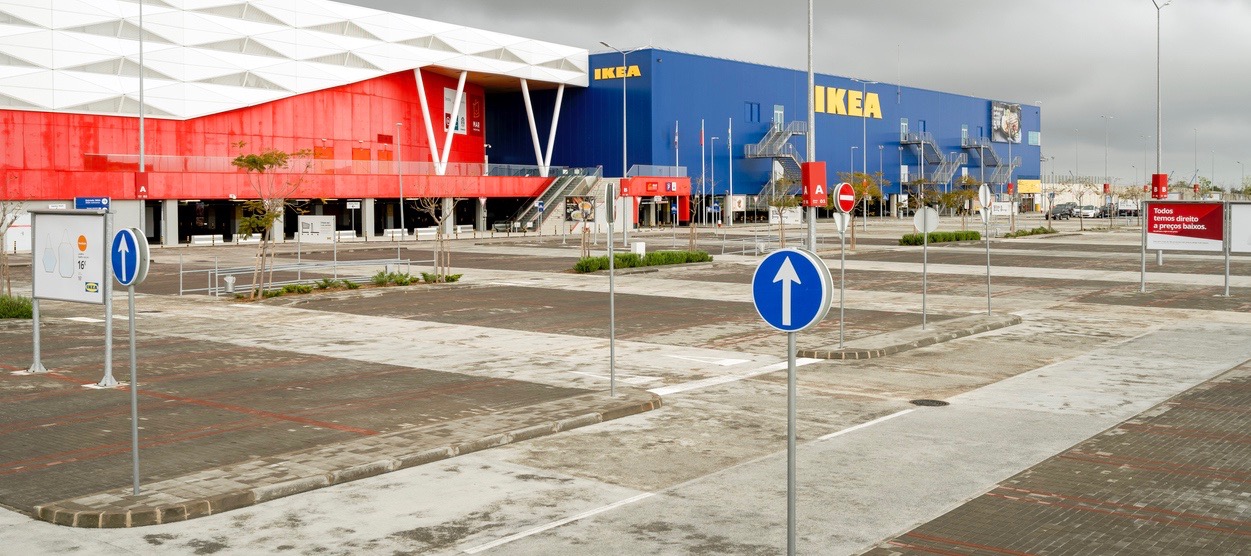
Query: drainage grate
(929, 403)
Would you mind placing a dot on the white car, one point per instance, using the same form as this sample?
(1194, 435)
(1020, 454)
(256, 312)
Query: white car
(1089, 211)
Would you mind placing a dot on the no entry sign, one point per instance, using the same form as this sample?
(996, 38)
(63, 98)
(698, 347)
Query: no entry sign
(844, 197)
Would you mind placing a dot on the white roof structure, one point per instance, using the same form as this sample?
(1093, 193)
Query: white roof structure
(202, 57)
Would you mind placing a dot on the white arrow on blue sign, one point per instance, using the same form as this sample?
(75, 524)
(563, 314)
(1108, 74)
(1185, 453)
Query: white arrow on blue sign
(129, 254)
(540, 206)
(792, 289)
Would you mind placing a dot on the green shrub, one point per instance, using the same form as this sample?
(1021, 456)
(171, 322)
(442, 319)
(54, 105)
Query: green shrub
(327, 283)
(382, 278)
(631, 260)
(1036, 231)
(297, 288)
(350, 285)
(941, 237)
(15, 307)
(452, 277)
(272, 293)
(401, 278)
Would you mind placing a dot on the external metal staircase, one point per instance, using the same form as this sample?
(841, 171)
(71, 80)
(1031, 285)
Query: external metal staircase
(776, 145)
(571, 181)
(947, 168)
(982, 148)
(1003, 171)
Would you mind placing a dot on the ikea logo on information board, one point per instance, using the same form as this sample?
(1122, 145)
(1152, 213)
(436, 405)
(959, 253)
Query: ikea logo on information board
(618, 72)
(846, 102)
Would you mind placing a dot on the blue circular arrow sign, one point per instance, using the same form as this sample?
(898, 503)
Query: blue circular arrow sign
(129, 257)
(792, 289)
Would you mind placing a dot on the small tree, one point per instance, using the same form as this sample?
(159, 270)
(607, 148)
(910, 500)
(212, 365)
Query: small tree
(780, 196)
(10, 210)
(439, 210)
(272, 187)
(865, 186)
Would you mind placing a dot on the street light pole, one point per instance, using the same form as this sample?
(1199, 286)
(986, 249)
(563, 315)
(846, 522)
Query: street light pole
(1159, 134)
(864, 148)
(812, 211)
(625, 225)
(399, 173)
(1106, 179)
(712, 168)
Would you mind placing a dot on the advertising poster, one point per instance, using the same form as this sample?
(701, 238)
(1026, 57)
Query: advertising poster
(1005, 122)
(1240, 227)
(449, 97)
(1186, 226)
(69, 257)
(477, 109)
(579, 209)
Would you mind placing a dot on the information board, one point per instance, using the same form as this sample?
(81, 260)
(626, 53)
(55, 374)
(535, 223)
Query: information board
(1240, 227)
(316, 229)
(69, 256)
(1186, 226)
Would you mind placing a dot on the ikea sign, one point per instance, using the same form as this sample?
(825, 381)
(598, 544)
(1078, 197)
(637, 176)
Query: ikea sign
(847, 102)
(619, 72)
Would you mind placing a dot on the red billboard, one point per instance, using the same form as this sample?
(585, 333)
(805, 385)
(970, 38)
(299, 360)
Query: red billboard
(1186, 226)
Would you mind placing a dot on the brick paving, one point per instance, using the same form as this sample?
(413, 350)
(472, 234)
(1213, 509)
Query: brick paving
(1174, 480)
(222, 426)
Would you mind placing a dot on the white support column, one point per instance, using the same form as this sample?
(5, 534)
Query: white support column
(534, 131)
(480, 215)
(449, 224)
(169, 222)
(367, 217)
(551, 136)
(451, 132)
(425, 120)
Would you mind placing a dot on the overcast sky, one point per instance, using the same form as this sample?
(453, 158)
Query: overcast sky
(1080, 58)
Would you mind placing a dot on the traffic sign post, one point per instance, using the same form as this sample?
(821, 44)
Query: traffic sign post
(844, 197)
(129, 258)
(926, 220)
(539, 205)
(791, 292)
(983, 195)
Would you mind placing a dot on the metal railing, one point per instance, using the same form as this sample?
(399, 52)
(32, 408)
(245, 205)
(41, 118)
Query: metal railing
(216, 283)
(568, 181)
(652, 170)
(223, 164)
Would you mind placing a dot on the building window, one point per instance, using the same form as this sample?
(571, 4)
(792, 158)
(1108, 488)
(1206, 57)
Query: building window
(1035, 138)
(779, 116)
(903, 128)
(751, 112)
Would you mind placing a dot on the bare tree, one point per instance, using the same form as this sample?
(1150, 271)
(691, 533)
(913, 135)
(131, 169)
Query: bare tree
(10, 211)
(779, 196)
(274, 175)
(439, 210)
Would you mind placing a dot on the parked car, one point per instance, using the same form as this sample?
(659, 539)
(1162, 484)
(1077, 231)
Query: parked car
(1089, 211)
(1071, 208)
(1059, 212)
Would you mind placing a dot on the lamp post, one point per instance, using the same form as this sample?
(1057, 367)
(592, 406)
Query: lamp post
(712, 168)
(399, 173)
(1159, 135)
(864, 142)
(1106, 179)
(612, 202)
(881, 205)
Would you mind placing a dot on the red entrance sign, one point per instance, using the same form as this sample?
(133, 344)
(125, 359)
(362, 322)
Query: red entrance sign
(1186, 226)
(844, 197)
(1159, 186)
(816, 189)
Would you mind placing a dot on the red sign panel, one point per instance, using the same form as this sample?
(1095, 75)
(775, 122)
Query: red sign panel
(844, 197)
(816, 189)
(1186, 226)
(1159, 186)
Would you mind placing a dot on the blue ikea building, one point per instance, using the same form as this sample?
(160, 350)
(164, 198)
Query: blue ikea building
(754, 119)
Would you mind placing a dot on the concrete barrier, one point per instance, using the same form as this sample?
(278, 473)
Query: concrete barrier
(210, 239)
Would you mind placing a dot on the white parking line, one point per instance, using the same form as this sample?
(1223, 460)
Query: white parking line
(556, 524)
(717, 380)
(865, 425)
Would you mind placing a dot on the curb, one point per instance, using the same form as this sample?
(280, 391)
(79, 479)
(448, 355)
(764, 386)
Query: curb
(914, 338)
(118, 509)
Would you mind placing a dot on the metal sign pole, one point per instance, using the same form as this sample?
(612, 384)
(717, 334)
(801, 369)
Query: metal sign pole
(1229, 222)
(37, 365)
(842, 279)
(1142, 276)
(986, 221)
(925, 259)
(108, 381)
(134, 394)
(790, 442)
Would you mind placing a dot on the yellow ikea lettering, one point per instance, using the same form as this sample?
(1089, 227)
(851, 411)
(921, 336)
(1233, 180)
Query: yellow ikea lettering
(846, 102)
(617, 72)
